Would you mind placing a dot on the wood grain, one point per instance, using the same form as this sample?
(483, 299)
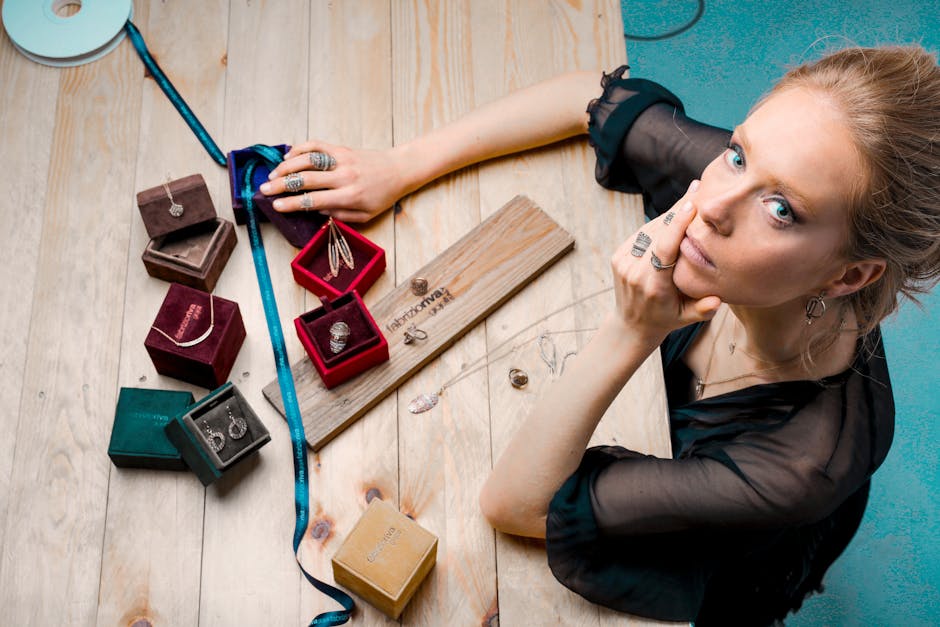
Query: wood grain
(468, 281)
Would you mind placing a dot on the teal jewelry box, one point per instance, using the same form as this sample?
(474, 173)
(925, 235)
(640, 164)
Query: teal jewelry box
(217, 432)
(138, 439)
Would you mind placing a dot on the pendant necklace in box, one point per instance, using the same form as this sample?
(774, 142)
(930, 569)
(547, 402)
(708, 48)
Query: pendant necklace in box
(199, 339)
(176, 209)
(428, 400)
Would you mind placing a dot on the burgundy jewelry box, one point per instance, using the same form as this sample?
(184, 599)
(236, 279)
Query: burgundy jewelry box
(195, 337)
(311, 266)
(365, 346)
(296, 226)
(189, 243)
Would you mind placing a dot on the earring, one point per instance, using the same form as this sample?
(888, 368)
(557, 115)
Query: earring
(815, 308)
(238, 428)
(215, 439)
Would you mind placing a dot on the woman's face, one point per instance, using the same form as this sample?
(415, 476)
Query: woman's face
(772, 209)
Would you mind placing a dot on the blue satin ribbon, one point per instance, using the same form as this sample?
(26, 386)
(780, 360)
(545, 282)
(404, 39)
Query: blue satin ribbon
(271, 157)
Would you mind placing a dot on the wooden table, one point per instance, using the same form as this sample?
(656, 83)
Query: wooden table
(84, 543)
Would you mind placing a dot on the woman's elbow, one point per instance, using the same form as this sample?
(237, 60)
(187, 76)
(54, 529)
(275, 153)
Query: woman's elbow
(507, 516)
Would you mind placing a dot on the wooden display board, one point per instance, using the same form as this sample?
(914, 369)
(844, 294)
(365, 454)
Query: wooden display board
(466, 283)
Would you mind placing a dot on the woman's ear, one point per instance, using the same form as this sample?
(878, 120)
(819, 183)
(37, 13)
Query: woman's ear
(855, 276)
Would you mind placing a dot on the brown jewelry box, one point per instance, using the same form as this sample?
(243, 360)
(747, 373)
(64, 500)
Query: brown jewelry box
(192, 248)
(385, 558)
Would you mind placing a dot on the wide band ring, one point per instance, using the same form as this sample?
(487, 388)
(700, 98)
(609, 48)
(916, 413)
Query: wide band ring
(640, 244)
(339, 334)
(321, 160)
(294, 182)
(658, 263)
(306, 201)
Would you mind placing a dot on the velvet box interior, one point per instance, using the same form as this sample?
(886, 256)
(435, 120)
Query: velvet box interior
(213, 328)
(216, 433)
(138, 439)
(296, 226)
(189, 243)
(385, 558)
(365, 346)
(311, 267)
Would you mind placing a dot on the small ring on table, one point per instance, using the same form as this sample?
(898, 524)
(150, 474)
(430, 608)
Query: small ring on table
(294, 182)
(339, 334)
(321, 160)
(640, 244)
(658, 263)
(306, 202)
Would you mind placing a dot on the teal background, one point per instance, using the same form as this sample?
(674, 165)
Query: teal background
(890, 573)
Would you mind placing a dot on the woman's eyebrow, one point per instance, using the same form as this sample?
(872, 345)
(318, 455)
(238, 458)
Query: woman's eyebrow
(785, 188)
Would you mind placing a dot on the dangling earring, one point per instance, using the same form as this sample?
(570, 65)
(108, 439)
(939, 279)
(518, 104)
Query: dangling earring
(215, 439)
(815, 308)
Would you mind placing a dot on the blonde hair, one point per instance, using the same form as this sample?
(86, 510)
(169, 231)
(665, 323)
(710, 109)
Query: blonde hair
(890, 97)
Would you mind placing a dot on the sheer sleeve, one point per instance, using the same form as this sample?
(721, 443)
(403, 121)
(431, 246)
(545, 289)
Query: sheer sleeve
(644, 142)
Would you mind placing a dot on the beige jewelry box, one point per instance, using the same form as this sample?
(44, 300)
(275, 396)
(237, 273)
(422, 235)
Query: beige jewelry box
(385, 558)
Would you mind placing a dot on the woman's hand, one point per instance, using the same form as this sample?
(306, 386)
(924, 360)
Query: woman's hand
(647, 300)
(359, 186)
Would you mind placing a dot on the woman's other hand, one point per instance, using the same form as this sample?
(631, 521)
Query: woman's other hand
(647, 300)
(358, 186)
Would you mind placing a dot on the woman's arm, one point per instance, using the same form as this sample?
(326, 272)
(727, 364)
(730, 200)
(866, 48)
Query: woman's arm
(366, 182)
(549, 446)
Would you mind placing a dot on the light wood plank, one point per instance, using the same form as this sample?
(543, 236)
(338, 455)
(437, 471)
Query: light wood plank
(28, 102)
(154, 531)
(350, 103)
(58, 496)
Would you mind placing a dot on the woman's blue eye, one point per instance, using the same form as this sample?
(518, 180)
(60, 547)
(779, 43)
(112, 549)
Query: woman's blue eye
(780, 210)
(735, 156)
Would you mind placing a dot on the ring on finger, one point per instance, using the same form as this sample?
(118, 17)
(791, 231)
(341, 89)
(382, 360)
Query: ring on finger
(321, 160)
(658, 264)
(306, 202)
(640, 244)
(294, 182)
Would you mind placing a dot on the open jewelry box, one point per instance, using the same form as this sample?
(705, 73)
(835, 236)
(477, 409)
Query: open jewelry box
(362, 347)
(189, 243)
(216, 433)
(138, 439)
(296, 226)
(311, 267)
(196, 336)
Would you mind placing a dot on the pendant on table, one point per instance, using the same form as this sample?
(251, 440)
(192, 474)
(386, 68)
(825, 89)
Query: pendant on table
(423, 403)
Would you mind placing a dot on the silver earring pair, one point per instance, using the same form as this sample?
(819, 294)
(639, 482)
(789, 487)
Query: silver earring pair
(237, 429)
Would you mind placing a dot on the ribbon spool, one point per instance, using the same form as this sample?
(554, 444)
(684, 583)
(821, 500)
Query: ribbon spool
(41, 34)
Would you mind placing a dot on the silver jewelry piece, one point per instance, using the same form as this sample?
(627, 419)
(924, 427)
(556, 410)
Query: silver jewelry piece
(293, 182)
(238, 427)
(321, 161)
(176, 209)
(640, 245)
(306, 202)
(658, 264)
(339, 334)
(518, 378)
(215, 439)
(414, 333)
(423, 403)
(419, 286)
(669, 217)
(815, 308)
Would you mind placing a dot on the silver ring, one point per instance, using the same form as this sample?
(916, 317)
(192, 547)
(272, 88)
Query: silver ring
(293, 182)
(321, 160)
(659, 265)
(306, 202)
(339, 334)
(414, 333)
(640, 245)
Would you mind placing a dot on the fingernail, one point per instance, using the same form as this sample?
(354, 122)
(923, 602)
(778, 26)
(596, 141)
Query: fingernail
(687, 207)
(265, 188)
(278, 204)
(272, 176)
(694, 185)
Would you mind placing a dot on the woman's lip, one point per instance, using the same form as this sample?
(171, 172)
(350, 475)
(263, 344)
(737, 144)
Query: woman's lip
(694, 253)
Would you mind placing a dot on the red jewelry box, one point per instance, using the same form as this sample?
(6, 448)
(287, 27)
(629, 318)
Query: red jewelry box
(365, 347)
(187, 315)
(311, 267)
(296, 226)
(189, 243)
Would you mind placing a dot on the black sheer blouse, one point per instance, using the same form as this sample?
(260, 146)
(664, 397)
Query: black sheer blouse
(767, 484)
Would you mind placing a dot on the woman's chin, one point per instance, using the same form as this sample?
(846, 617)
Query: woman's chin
(690, 284)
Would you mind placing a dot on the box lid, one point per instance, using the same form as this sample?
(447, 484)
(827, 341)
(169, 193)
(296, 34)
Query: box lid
(191, 204)
(139, 421)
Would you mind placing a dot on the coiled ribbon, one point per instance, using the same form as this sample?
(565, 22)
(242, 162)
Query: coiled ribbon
(265, 155)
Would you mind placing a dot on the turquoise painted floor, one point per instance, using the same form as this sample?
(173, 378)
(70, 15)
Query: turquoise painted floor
(732, 54)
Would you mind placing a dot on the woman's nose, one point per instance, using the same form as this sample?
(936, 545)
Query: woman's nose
(717, 205)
